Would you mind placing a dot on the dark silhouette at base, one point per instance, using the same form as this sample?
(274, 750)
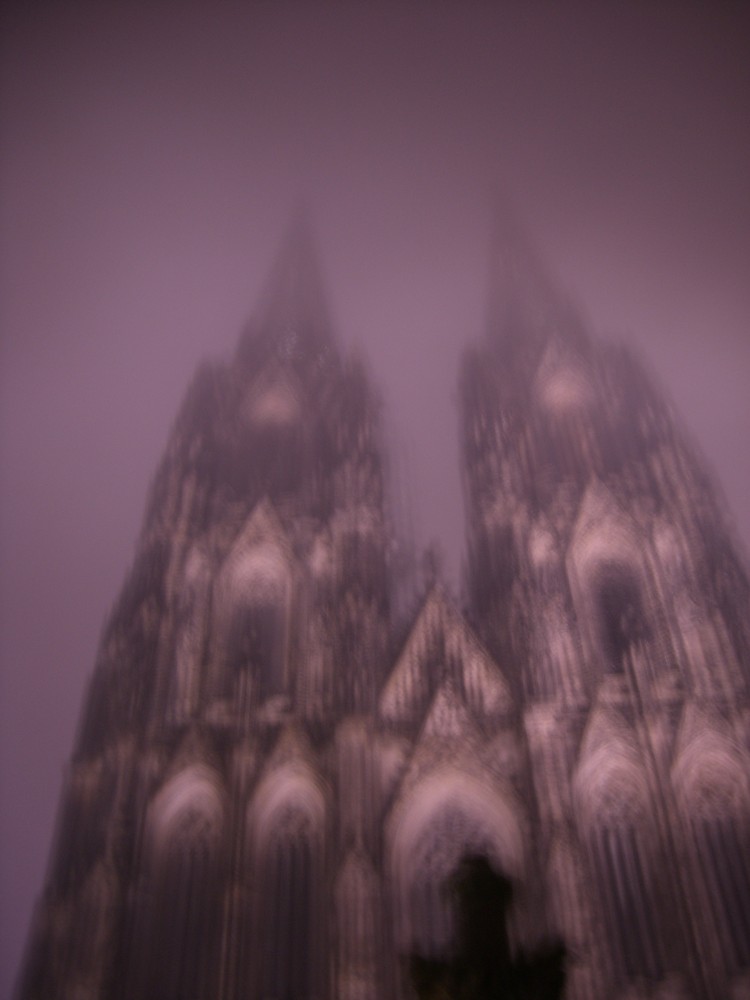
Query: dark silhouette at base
(482, 967)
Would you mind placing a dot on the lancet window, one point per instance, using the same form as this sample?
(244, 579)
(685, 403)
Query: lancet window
(187, 919)
(615, 812)
(253, 601)
(276, 456)
(256, 643)
(179, 913)
(621, 616)
(291, 911)
(623, 877)
(723, 847)
(451, 835)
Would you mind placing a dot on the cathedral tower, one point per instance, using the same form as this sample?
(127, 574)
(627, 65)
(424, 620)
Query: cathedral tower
(278, 767)
(602, 578)
(200, 832)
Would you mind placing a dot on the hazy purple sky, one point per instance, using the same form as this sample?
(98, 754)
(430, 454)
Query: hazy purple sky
(151, 159)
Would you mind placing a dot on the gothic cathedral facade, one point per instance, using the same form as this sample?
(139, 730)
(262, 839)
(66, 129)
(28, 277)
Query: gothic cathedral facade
(279, 763)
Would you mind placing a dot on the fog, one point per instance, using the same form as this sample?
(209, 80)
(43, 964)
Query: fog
(151, 161)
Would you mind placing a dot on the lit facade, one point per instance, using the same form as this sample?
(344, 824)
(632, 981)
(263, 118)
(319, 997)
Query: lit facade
(278, 765)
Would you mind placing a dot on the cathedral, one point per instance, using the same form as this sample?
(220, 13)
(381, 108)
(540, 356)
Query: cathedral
(285, 751)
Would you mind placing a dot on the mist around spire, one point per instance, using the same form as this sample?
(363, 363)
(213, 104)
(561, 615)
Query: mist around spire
(293, 320)
(261, 729)
(524, 296)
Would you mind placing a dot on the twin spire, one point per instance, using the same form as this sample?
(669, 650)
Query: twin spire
(294, 316)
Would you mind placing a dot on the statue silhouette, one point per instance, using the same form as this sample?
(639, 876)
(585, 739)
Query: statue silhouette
(482, 967)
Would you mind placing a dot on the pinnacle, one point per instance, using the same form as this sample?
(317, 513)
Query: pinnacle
(523, 292)
(293, 315)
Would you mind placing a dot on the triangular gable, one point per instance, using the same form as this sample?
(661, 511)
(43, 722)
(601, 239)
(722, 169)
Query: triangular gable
(607, 730)
(486, 689)
(603, 532)
(610, 780)
(407, 687)
(261, 550)
(447, 718)
(263, 525)
(441, 631)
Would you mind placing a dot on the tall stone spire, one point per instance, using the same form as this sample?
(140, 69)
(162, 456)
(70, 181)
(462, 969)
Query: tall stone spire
(591, 527)
(525, 300)
(293, 319)
(275, 776)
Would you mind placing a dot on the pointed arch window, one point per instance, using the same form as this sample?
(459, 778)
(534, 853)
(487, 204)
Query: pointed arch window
(256, 642)
(274, 457)
(723, 852)
(291, 914)
(623, 877)
(449, 815)
(615, 811)
(450, 836)
(176, 952)
(254, 600)
(711, 780)
(621, 617)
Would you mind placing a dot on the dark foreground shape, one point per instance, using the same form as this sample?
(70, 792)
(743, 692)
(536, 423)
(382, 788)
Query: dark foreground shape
(483, 968)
